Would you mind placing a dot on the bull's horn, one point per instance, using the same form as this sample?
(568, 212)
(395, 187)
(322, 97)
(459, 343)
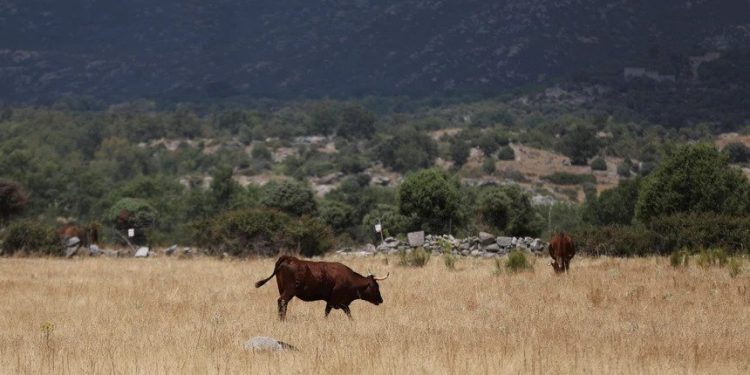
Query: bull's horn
(381, 279)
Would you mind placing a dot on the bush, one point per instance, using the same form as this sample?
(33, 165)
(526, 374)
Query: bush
(737, 152)
(735, 267)
(616, 240)
(450, 261)
(294, 198)
(696, 178)
(263, 232)
(702, 230)
(418, 257)
(598, 164)
(506, 153)
(13, 199)
(488, 165)
(32, 237)
(712, 257)
(432, 199)
(565, 178)
(517, 262)
(679, 258)
(624, 168)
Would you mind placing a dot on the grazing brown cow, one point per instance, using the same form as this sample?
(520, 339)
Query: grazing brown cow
(561, 249)
(332, 282)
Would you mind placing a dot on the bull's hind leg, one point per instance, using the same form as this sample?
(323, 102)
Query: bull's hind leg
(328, 309)
(346, 311)
(282, 308)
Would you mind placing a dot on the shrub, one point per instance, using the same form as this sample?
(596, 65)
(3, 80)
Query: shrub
(450, 261)
(696, 178)
(517, 262)
(415, 258)
(13, 199)
(702, 230)
(623, 169)
(737, 152)
(616, 240)
(565, 178)
(292, 197)
(506, 153)
(598, 164)
(263, 232)
(679, 258)
(735, 267)
(488, 165)
(712, 257)
(32, 237)
(432, 198)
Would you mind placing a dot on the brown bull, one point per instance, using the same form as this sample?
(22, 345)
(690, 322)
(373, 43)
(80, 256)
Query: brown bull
(561, 249)
(87, 234)
(332, 282)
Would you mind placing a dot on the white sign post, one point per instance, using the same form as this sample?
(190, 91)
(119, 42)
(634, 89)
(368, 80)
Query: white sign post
(379, 229)
(131, 232)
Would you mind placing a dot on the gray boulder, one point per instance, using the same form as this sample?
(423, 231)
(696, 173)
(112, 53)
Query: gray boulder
(416, 239)
(493, 248)
(475, 253)
(94, 250)
(267, 344)
(505, 242)
(486, 238)
(142, 252)
(170, 250)
(73, 241)
(72, 250)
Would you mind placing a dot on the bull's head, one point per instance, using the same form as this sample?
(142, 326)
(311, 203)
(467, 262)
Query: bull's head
(371, 291)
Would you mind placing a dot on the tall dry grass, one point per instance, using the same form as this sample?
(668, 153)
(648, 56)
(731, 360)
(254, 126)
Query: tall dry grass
(170, 316)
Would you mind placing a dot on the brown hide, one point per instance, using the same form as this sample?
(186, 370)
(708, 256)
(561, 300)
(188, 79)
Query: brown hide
(332, 282)
(561, 249)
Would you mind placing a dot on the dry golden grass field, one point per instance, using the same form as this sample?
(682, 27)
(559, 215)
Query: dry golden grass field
(192, 316)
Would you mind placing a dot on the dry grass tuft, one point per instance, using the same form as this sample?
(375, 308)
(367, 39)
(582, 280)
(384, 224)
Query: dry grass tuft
(169, 316)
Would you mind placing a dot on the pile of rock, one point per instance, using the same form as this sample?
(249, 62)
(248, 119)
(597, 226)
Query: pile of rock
(484, 245)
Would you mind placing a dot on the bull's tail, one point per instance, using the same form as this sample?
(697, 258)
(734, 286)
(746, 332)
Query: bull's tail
(275, 268)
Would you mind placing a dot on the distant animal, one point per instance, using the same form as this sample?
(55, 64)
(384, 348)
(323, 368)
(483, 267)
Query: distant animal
(332, 282)
(88, 234)
(561, 249)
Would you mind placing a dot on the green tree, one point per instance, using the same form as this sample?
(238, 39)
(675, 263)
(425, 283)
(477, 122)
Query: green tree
(356, 122)
(598, 164)
(13, 199)
(388, 216)
(613, 206)
(506, 153)
(488, 165)
(408, 149)
(223, 188)
(694, 179)
(737, 152)
(292, 197)
(432, 199)
(459, 151)
(324, 118)
(133, 213)
(579, 144)
(338, 215)
(493, 207)
(522, 219)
